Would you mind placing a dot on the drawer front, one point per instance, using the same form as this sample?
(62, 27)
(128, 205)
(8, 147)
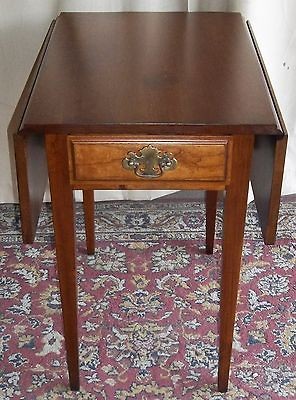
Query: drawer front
(95, 159)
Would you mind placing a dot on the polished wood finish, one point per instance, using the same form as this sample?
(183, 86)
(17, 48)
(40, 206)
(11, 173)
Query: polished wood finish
(100, 159)
(211, 198)
(107, 84)
(268, 164)
(233, 232)
(31, 169)
(58, 62)
(89, 220)
(148, 184)
(266, 178)
(107, 72)
(63, 219)
(30, 158)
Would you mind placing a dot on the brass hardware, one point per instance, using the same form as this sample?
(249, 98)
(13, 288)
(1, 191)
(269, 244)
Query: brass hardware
(149, 162)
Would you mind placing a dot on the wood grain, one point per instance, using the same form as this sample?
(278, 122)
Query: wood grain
(105, 71)
(29, 153)
(268, 163)
(211, 209)
(107, 80)
(64, 228)
(235, 206)
(266, 178)
(31, 169)
(92, 159)
(89, 220)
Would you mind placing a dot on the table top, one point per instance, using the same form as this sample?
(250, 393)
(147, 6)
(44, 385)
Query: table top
(134, 72)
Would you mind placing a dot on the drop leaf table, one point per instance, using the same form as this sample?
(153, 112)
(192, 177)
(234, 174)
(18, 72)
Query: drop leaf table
(149, 101)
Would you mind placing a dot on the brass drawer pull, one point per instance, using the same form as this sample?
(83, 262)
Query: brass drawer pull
(149, 162)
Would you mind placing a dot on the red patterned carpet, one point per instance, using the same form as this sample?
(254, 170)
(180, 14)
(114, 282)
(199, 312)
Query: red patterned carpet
(148, 308)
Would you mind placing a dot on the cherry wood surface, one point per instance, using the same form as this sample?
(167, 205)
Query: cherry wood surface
(211, 198)
(104, 82)
(266, 178)
(235, 206)
(150, 71)
(64, 228)
(268, 163)
(32, 177)
(89, 220)
(29, 153)
(202, 159)
(29, 157)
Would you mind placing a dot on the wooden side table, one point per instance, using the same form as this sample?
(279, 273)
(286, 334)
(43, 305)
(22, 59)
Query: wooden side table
(149, 101)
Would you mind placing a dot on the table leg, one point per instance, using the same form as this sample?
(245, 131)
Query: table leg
(211, 209)
(233, 230)
(63, 218)
(89, 220)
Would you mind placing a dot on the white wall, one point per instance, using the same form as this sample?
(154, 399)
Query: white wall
(23, 24)
(123, 5)
(207, 5)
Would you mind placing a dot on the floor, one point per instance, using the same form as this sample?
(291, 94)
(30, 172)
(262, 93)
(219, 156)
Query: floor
(148, 307)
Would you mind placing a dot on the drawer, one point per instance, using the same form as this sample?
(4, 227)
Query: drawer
(94, 158)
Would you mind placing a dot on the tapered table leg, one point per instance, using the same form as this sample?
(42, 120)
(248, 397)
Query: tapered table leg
(211, 209)
(234, 222)
(63, 218)
(89, 220)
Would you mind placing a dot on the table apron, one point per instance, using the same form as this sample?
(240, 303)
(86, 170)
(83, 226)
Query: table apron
(98, 163)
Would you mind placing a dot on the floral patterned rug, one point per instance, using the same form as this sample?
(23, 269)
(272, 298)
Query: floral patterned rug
(148, 308)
